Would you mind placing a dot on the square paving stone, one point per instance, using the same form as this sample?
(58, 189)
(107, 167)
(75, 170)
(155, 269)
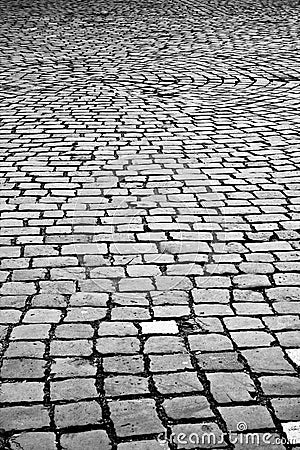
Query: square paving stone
(202, 325)
(42, 316)
(219, 361)
(91, 440)
(74, 331)
(130, 299)
(25, 349)
(289, 338)
(287, 307)
(122, 345)
(213, 282)
(76, 414)
(135, 417)
(231, 387)
(244, 339)
(251, 281)
(247, 296)
(174, 311)
(179, 382)
(280, 385)
(169, 297)
(24, 417)
(169, 344)
(124, 364)
(31, 391)
(37, 331)
(26, 368)
(192, 407)
(243, 323)
(160, 327)
(252, 309)
(126, 385)
(209, 342)
(210, 295)
(131, 313)
(99, 285)
(79, 347)
(283, 294)
(73, 389)
(10, 316)
(173, 283)
(255, 417)
(33, 441)
(72, 367)
(282, 322)
(89, 299)
(287, 409)
(169, 363)
(117, 329)
(267, 360)
(287, 279)
(85, 314)
(49, 300)
(213, 309)
(136, 284)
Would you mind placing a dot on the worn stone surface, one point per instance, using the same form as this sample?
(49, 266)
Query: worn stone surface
(88, 439)
(33, 441)
(192, 407)
(135, 417)
(231, 387)
(255, 417)
(176, 383)
(74, 414)
(149, 221)
(73, 389)
(24, 417)
(126, 385)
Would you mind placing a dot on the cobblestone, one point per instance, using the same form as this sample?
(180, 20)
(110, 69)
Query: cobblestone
(149, 222)
(77, 414)
(26, 368)
(280, 385)
(72, 367)
(30, 391)
(33, 441)
(73, 389)
(192, 407)
(88, 439)
(287, 409)
(24, 417)
(135, 417)
(267, 360)
(231, 387)
(219, 361)
(176, 383)
(256, 417)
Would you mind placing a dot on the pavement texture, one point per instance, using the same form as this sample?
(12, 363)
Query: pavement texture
(150, 216)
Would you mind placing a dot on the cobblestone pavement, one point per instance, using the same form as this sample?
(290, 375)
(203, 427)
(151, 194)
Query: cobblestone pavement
(150, 216)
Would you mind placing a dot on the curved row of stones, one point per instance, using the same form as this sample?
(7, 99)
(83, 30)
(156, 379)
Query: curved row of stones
(149, 198)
